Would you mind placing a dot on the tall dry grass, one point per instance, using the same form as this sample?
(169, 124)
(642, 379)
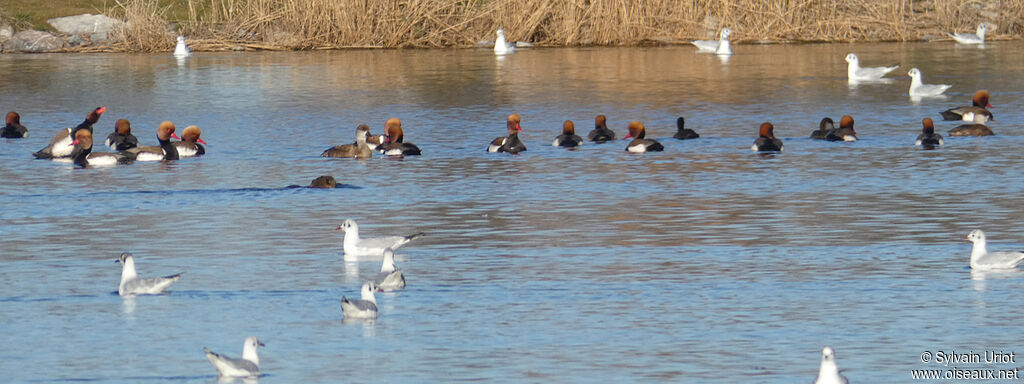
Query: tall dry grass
(317, 24)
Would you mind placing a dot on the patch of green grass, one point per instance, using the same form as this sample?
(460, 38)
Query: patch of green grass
(34, 13)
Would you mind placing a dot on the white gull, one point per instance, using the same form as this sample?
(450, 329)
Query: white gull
(981, 259)
(501, 46)
(247, 366)
(970, 38)
(181, 49)
(356, 246)
(132, 284)
(390, 277)
(363, 308)
(919, 89)
(854, 72)
(720, 46)
(829, 372)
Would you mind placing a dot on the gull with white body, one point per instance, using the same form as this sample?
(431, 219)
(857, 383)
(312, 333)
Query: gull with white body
(374, 246)
(132, 284)
(501, 46)
(981, 259)
(829, 372)
(856, 73)
(977, 38)
(719, 47)
(363, 308)
(247, 366)
(390, 277)
(919, 89)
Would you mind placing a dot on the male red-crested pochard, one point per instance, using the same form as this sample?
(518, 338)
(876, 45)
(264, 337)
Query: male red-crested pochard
(359, 149)
(190, 142)
(639, 143)
(766, 141)
(83, 156)
(601, 133)
(510, 143)
(683, 133)
(845, 131)
(568, 138)
(60, 145)
(928, 138)
(14, 129)
(166, 150)
(977, 129)
(979, 103)
(394, 144)
(122, 138)
(824, 127)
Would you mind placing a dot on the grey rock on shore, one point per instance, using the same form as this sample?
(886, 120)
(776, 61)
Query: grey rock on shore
(96, 27)
(34, 41)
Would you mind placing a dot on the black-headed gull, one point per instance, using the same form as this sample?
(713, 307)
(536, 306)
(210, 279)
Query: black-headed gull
(132, 284)
(970, 38)
(981, 259)
(977, 128)
(928, 138)
(181, 48)
(719, 47)
(845, 131)
(854, 72)
(829, 372)
(501, 46)
(390, 277)
(363, 308)
(919, 89)
(357, 246)
(979, 103)
(247, 366)
(766, 141)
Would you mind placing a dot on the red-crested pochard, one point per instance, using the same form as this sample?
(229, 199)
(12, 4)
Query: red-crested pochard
(766, 141)
(824, 127)
(601, 133)
(166, 150)
(60, 145)
(979, 103)
(190, 142)
(845, 131)
(639, 143)
(510, 143)
(122, 138)
(359, 149)
(83, 156)
(394, 144)
(14, 129)
(568, 138)
(928, 137)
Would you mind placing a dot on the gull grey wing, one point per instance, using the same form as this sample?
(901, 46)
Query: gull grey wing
(152, 285)
(362, 305)
(219, 360)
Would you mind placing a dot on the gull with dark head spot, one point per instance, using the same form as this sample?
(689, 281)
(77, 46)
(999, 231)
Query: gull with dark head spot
(247, 366)
(829, 372)
(981, 259)
(132, 284)
(356, 246)
(977, 38)
(390, 277)
(363, 308)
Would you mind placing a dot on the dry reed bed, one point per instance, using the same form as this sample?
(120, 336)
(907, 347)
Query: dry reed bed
(324, 24)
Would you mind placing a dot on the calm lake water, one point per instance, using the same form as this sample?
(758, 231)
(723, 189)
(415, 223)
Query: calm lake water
(703, 263)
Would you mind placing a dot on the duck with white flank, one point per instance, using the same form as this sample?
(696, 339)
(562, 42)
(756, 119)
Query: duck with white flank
(190, 144)
(166, 150)
(390, 277)
(83, 156)
(568, 138)
(363, 308)
(855, 73)
(845, 131)
(122, 138)
(247, 366)
(766, 141)
(360, 149)
(394, 143)
(132, 284)
(683, 133)
(719, 47)
(601, 132)
(978, 128)
(981, 259)
(825, 127)
(356, 246)
(60, 145)
(639, 143)
(511, 143)
(928, 138)
(979, 103)
(970, 38)
(919, 89)
(14, 129)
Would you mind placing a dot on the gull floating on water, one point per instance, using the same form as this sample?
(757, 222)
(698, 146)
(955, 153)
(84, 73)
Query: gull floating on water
(970, 38)
(719, 47)
(854, 72)
(390, 277)
(364, 308)
(181, 49)
(829, 372)
(247, 366)
(132, 285)
(502, 47)
(982, 260)
(919, 89)
(356, 246)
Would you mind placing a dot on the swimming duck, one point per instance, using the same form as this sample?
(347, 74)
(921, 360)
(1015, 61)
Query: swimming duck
(14, 129)
(977, 129)
(824, 127)
(928, 137)
(601, 133)
(165, 151)
(639, 143)
(122, 138)
(60, 145)
(766, 141)
(845, 131)
(683, 133)
(190, 144)
(359, 149)
(83, 156)
(394, 144)
(568, 138)
(510, 143)
(979, 103)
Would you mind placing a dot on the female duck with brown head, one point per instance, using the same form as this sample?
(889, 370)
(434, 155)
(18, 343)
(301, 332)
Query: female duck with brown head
(83, 156)
(394, 144)
(189, 145)
(568, 138)
(825, 127)
(359, 149)
(928, 138)
(977, 129)
(166, 150)
(14, 129)
(122, 138)
(510, 143)
(60, 145)
(766, 141)
(845, 131)
(979, 103)
(639, 143)
(601, 133)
